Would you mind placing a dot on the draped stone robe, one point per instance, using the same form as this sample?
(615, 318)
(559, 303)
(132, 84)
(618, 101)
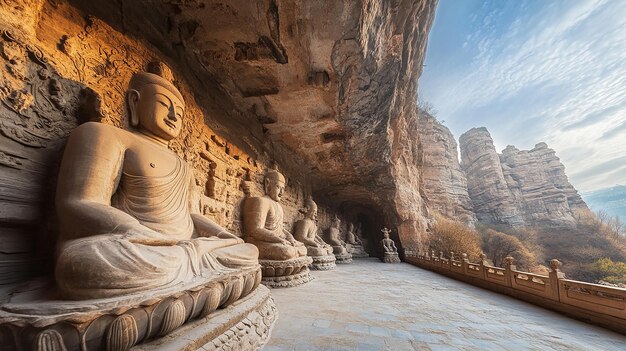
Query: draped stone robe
(124, 261)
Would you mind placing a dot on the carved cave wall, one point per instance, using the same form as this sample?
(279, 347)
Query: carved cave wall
(325, 90)
(60, 68)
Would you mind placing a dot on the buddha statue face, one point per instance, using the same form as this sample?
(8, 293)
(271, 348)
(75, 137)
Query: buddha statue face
(157, 110)
(312, 213)
(386, 233)
(275, 185)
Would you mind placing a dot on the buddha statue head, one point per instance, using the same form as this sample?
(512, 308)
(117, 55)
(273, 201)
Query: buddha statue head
(274, 185)
(156, 107)
(336, 222)
(386, 233)
(311, 209)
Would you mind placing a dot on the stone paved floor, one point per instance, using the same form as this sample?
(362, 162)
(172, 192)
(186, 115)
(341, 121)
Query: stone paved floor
(369, 305)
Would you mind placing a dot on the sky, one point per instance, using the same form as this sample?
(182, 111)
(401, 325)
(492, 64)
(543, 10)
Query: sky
(533, 71)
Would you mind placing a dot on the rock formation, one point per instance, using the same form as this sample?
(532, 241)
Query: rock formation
(445, 184)
(517, 187)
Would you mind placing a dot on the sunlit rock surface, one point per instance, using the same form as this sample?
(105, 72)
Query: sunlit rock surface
(517, 187)
(445, 184)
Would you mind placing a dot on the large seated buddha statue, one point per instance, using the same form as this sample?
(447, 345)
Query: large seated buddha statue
(283, 259)
(306, 232)
(123, 205)
(340, 248)
(128, 242)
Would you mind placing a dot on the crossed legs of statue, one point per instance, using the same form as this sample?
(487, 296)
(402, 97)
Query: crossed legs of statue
(279, 252)
(110, 265)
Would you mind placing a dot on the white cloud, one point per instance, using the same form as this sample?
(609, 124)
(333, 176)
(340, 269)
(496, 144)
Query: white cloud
(556, 74)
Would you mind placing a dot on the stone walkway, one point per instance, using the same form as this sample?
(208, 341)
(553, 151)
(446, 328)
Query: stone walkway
(369, 305)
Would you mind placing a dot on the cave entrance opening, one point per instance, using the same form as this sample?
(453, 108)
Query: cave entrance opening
(371, 221)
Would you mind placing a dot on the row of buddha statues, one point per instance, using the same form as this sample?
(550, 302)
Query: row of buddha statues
(285, 258)
(126, 227)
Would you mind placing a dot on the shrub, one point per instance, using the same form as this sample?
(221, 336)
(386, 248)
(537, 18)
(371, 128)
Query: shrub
(497, 246)
(449, 235)
(609, 271)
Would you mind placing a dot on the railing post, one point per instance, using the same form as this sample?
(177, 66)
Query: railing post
(483, 264)
(554, 275)
(450, 264)
(464, 262)
(509, 267)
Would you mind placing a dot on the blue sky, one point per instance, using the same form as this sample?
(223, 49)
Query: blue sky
(532, 71)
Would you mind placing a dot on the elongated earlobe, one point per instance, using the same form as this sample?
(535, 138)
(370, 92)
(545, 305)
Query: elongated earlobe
(132, 98)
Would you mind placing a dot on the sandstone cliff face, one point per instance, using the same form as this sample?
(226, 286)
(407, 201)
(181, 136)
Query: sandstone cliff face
(324, 89)
(444, 183)
(517, 187)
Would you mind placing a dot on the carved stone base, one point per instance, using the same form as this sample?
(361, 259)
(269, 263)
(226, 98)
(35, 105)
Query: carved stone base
(343, 258)
(244, 325)
(323, 263)
(391, 257)
(357, 251)
(35, 322)
(288, 281)
(285, 274)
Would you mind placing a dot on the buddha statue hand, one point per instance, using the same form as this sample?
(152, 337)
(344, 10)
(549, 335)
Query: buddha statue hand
(227, 235)
(296, 243)
(148, 237)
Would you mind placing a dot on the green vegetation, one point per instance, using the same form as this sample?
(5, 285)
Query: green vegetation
(609, 271)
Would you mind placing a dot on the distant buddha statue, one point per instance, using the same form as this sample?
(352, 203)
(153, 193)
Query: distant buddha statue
(356, 246)
(339, 246)
(359, 234)
(123, 204)
(280, 253)
(389, 248)
(306, 232)
(351, 238)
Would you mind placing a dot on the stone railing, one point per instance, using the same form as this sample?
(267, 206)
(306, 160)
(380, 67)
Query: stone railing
(593, 303)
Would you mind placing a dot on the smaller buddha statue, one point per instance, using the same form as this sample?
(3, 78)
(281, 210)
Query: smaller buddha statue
(306, 232)
(351, 237)
(339, 246)
(389, 248)
(355, 243)
(359, 234)
(284, 261)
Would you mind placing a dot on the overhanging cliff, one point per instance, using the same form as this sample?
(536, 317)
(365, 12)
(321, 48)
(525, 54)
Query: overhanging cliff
(326, 90)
